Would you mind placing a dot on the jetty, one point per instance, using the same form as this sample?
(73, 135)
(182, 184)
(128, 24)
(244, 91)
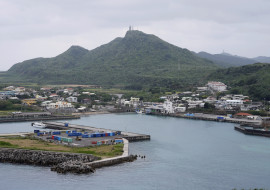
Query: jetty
(130, 136)
(212, 117)
(23, 118)
(249, 130)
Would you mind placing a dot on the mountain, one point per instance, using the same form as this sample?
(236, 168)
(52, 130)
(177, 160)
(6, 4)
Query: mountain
(228, 60)
(252, 80)
(262, 59)
(138, 58)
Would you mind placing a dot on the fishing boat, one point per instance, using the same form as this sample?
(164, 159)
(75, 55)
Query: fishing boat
(38, 125)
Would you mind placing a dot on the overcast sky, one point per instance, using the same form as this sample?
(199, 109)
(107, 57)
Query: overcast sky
(46, 28)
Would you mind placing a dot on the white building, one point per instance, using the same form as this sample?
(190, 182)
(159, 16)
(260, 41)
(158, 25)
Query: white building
(180, 109)
(72, 99)
(234, 102)
(216, 86)
(59, 105)
(45, 103)
(194, 104)
(168, 107)
(135, 102)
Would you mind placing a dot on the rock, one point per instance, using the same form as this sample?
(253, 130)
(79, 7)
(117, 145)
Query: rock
(61, 162)
(72, 167)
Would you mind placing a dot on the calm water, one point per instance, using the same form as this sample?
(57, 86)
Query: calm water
(182, 154)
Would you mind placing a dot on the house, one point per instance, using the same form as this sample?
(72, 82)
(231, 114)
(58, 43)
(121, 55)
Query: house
(41, 98)
(19, 89)
(59, 105)
(234, 103)
(72, 99)
(242, 115)
(180, 109)
(9, 88)
(29, 101)
(194, 104)
(45, 103)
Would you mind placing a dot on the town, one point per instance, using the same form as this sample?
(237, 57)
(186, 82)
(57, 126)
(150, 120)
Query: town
(213, 98)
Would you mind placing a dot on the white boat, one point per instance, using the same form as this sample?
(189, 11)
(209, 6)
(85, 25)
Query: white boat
(38, 125)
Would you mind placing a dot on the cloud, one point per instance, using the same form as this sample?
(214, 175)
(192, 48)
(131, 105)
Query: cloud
(30, 28)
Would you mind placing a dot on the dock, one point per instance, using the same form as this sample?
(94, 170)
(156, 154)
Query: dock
(130, 136)
(23, 119)
(252, 131)
(212, 117)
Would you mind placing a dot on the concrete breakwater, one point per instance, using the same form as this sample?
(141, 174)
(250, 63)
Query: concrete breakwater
(63, 162)
(252, 131)
(212, 117)
(74, 162)
(22, 119)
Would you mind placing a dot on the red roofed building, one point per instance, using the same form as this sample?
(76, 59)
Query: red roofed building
(242, 115)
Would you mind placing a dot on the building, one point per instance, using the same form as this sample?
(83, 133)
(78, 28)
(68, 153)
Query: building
(29, 102)
(72, 99)
(216, 86)
(59, 105)
(234, 103)
(168, 107)
(135, 102)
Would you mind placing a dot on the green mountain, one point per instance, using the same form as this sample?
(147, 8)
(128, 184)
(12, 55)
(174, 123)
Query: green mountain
(252, 80)
(136, 59)
(228, 60)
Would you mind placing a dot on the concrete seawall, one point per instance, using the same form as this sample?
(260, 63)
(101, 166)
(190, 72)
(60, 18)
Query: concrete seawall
(211, 117)
(23, 119)
(63, 162)
(115, 160)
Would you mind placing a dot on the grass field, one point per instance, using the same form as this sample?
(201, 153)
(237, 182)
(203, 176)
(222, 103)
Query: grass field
(103, 151)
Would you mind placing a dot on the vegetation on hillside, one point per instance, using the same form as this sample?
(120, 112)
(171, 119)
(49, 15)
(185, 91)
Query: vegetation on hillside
(252, 80)
(137, 59)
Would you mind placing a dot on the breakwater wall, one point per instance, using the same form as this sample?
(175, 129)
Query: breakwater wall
(137, 138)
(250, 131)
(67, 162)
(22, 119)
(63, 162)
(125, 157)
(112, 161)
(210, 117)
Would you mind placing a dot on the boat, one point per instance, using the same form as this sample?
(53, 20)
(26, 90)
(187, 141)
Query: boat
(139, 111)
(38, 125)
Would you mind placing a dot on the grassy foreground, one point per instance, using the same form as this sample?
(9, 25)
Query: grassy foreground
(103, 151)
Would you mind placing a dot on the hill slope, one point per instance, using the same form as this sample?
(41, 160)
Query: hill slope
(253, 80)
(227, 60)
(138, 58)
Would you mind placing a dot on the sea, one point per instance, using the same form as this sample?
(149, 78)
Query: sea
(182, 154)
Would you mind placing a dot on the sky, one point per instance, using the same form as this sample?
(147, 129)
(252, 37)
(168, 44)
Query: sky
(46, 28)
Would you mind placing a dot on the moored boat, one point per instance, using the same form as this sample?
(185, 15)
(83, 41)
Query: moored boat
(38, 125)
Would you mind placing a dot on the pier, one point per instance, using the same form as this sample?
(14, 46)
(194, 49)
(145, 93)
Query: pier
(23, 119)
(212, 117)
(131, 137)
(252, 131)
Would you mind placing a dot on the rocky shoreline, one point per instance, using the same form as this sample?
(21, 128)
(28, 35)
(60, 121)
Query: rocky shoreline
(58, 161)
(73, 163)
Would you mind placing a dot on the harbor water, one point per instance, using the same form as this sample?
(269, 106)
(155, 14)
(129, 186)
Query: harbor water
(182, 154)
